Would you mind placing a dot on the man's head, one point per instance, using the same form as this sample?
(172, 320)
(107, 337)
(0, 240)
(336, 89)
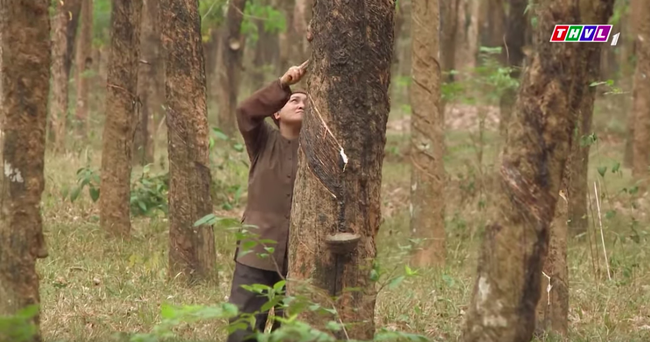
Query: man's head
(291, 114)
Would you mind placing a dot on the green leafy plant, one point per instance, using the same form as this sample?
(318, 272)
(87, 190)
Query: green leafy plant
(19, 327)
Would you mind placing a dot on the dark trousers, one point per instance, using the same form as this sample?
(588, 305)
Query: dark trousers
(250, 302)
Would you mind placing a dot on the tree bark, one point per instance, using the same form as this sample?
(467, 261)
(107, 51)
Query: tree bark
(507, 286)
(294, 45)
(231, 60)
(494, 22)
(641, 92)
(266, 52)
(150, 83)
(83, 64)
(448, 27)
(64, 28)
(25, 85)
(192, 251)
(512, 55)
(121, 113)
(427, 139)
(335, 195)
(466, 37)
(591, 12)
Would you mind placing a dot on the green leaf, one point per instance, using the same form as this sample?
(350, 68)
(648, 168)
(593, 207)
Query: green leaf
(278, 286)
(602, 170)
(94, 193)
(142, 206)
(333, 326)
(374, 275)
(616, 167)
(238, 147)
(409, 271)
(219, 133)
(28, 312)
(395, 282)
(75, 193)
(167, 311)
(207, 219)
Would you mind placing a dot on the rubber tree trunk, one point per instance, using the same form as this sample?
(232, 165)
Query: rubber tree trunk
(427, 138)
(512, 55)
(83, 64)
(150, 83)
(192, 251)
(232, 50)
(336, 206)
(507, 286)
(641, 92)
(25, 85)
(64, 27)
(121, 113)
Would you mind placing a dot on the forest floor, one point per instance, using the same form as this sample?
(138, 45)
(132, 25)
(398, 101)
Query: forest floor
(93, 287)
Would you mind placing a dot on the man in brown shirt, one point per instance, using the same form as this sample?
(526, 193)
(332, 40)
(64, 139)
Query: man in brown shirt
(273, 162)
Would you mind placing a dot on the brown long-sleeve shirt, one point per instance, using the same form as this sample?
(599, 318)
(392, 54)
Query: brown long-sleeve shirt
(273, 165)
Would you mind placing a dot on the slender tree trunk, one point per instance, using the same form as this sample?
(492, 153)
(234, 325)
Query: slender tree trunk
(627, 42)
(83, 64)
(150, 82)
(512, 55)
(266, 52)
(212, 63)
(64, 27)
(427, 139)
(231, 59)
(25, 84)
(337, 199)
(466, 36)
(301, 18)
(286, 6)
(121, 114)
(494, 25)
(448, 27)
(641, 91)
(192, 252)
(507, 286)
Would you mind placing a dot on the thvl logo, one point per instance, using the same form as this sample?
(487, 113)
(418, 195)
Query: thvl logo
(583, 34)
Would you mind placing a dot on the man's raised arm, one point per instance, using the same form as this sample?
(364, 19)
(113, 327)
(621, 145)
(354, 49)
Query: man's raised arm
(263, 103)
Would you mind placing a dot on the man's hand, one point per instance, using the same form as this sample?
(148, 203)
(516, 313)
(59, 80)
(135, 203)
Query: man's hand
(294, 74)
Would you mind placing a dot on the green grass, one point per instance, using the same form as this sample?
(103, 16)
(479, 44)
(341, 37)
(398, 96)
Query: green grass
(93, 287)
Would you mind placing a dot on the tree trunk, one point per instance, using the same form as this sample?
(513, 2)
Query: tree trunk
(591, 12)
(294, 47)
(427, 139)
(83, 64)
(150, 83)
(466, 37)
(266, 51)
(25, 85)
(64, 28)
(626, 40)
(641, 91)
(494, 24)
(507, 286)
(512, 55)
(231, 60)
(192, 251)
(342, 142)
(448, 27)
(301, 18)
(121, 115)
